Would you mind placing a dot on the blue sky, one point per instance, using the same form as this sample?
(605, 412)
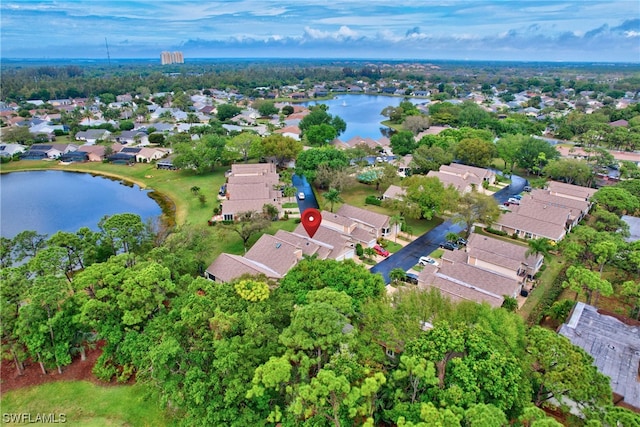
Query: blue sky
(524, 30)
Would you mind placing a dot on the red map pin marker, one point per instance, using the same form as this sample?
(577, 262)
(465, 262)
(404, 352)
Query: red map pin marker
(311, 219)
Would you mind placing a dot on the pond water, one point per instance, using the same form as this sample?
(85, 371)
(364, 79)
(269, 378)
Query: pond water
(51, 201)
(362, 113)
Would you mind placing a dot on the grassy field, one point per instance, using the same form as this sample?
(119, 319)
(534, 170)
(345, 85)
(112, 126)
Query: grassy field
(356, 194)
(84, 404)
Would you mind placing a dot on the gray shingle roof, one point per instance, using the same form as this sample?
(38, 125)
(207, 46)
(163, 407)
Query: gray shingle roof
(614, 345)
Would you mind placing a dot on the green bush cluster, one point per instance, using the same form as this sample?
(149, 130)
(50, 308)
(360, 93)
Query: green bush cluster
(373, 200)
(547, 300)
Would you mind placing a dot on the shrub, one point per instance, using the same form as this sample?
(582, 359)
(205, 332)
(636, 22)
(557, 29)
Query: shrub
(373, 200)
(359, 250)
(496, 232)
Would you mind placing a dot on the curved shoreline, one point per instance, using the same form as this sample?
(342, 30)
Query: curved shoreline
(167, 204)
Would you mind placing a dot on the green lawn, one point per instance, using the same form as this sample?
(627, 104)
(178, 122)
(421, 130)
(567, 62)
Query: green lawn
(554, 266)
(85, 404)
(356, 194)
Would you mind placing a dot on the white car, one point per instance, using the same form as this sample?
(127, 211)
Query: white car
(424, 260)
(301, 195)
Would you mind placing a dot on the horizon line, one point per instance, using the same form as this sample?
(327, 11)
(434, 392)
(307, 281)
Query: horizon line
(153, 58)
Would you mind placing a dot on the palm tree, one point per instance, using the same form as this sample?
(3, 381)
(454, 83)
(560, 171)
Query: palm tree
(395, 221)
(369, 252)
(333, 196)
(540, 246)
(397, 275)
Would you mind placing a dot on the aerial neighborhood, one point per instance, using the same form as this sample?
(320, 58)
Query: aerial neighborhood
(512, 195)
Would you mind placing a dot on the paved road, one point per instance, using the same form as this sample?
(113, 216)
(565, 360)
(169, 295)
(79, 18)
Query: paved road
(408, 256)
(302, 185)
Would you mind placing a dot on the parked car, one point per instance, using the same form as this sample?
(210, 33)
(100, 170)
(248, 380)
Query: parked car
(518, 197)
(513, 201)
(449, 246)
(424, 260)
(527, 188)
(301, 195)
(411, 278)
(381, 251)
(461, 242)
(504, 207)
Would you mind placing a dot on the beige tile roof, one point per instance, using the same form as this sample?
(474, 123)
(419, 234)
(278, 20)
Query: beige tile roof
(337, 242)
(498, 252)
(394, 192)
(339, 220)
(270, 179)
(373, 219)
(532, 225)
(274, 253)
(543, 196)
(458, 182)
(249, 191)
(462, 281)
(543, 212)
(363, 236)
(252, 168)
(370, 142)
(303, 243)
(463, 170)
(458, 293)
(227, 267)
(562, 189)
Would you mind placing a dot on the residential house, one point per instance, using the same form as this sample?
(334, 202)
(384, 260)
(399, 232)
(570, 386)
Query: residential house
(290, 131)
(91, 136)
(528, 227)
(394, 192)
(377, 224)
(570, 191)
(460, 281)
(404, 165)
(228, 267)
(47, 151)
(74, 156)
(250, 187)
(132, 137)
(273, 256)
(95, 153)
(9, 150)
(614, 345)
(346, 226)
(501, 257)
(464, 178)
(148, 155)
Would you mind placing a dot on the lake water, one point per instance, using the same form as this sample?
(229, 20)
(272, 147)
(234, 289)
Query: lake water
(51, 201)
(362, 113)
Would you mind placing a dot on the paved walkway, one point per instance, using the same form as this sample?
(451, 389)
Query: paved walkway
(408, 256)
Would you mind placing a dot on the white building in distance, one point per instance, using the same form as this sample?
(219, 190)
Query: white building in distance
(167, 57)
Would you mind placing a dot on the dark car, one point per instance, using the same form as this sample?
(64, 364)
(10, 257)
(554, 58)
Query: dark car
(411, 278)
(449, 246)
(527, 188)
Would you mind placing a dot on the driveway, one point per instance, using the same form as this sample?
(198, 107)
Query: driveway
(409, 255)
(517, 185)
(303, 186)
